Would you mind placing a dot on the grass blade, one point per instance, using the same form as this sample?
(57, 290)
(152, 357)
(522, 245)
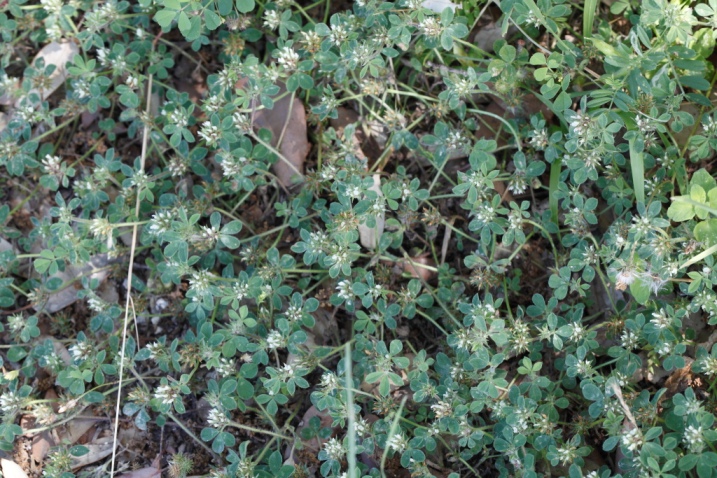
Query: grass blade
(589, 17)
(637, 166)
(553, 188)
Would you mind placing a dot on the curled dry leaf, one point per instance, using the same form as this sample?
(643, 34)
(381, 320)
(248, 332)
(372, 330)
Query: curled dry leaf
(370, 236)
(58, 54)
(10, 469)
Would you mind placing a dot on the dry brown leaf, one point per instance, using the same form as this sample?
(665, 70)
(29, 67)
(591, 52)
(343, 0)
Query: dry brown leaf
(315, 444)
(94, 269)
(487, 35)
(98, 449)
(58, 54)
(287, 123)
(60, 351)
(149, 472)
(294, 146)
(75, 429)
(10, 469)
(41, 444)
(413, 267)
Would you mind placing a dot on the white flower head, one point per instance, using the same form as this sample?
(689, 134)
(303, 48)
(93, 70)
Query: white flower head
(288, 58)
(334, 449)
(165, 394)
(81, 351)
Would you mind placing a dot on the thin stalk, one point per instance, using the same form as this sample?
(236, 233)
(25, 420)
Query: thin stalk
(130, 274)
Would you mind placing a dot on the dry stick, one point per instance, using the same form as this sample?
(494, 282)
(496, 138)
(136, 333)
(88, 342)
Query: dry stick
(130, 271)
(134, 320)
(288, 118)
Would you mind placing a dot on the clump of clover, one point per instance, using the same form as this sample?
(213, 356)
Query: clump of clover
(529, 300)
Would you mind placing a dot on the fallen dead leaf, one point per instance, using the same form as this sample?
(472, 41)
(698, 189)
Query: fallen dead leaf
(75, 429)
(94, 269)
(149, 472)
(58, 54)
(60, 350)
(413, 267)
(98, 449)
(287, 123)
(487, 35)
(315, 444)
(10, 469)
(41, 444)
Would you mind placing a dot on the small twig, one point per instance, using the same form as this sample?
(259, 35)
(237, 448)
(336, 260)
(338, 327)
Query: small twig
(10, 312)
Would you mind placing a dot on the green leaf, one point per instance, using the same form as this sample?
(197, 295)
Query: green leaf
(447, 16)
(230, 241)
(47, 258)
(538, 59)
(704, 43)
(224, 7)
(695, 81)
(245, 6)
(165, 17)
(591, 392)
(680, 211)
(209, 434)
(604, 47)
(184, 24)
(640, 290)
(589, 16)
(563, 101)
(698, 195)
(374, 377)
(507, 53)
(79, 450)
(706, 232)
(232, 228)
(703, 178)
(637, 167)
(212, 20)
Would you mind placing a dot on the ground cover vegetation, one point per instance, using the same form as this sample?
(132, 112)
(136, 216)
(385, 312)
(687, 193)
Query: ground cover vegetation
(415, 238)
